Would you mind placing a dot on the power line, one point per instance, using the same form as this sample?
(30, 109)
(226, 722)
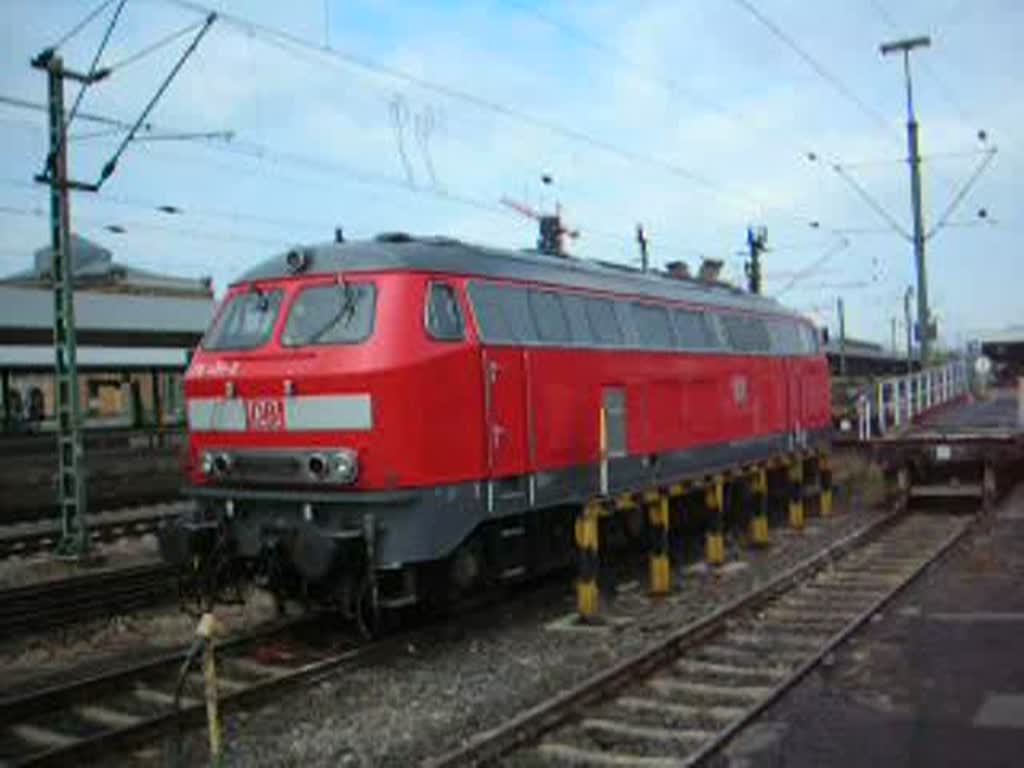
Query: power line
(667, 83)
(942, 86)
(111, 164)
(221, 236)
(815, 265)
(149, 49)
(14, 101)
(93, 73)
(283, 39)
(837, 84)
(82, 24)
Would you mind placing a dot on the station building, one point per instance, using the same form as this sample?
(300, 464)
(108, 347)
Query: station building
(135, 331)
(1005, 348)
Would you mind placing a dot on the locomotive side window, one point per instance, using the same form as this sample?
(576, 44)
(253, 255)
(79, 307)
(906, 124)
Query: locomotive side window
(552, 324)
(444, 318)
(576, 312)
(246, 320)
(502, 313)
(654, 330)
(338, 313)
(746, 334)
(692, 330)
(809, 340)
(785, 337)
(603, 321)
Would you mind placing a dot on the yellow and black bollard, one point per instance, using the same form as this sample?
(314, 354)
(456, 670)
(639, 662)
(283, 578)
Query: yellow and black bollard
(796, 492)
(657, 519)
(207, 631)
(825, 477)
(714, 549)
(587, 524)
(759, 520)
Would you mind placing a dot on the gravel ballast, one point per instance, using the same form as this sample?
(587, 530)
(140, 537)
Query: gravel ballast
(474, 673)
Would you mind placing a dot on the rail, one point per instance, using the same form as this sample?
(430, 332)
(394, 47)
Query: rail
(649, 710)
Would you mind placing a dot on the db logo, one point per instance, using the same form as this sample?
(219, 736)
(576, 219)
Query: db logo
(264, 415)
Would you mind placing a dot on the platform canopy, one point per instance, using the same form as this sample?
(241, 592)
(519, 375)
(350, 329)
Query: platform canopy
(125, 318)
(105, 319)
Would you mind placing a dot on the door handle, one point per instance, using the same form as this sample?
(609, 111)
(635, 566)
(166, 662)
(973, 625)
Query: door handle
(499, 432)
(493, 369)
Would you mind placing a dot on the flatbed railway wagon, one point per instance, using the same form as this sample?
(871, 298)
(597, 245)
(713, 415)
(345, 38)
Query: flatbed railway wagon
(970, 450)
(368, 420)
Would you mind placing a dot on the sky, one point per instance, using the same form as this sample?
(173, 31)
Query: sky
(696, 118)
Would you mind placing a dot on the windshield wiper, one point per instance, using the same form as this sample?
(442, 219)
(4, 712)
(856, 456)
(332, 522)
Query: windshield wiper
(346, 310)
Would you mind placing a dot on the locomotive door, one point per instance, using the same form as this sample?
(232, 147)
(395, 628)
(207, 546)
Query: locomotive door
(506, 410)
(794, 401)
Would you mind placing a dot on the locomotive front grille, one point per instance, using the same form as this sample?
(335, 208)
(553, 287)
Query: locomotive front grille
(338, 466)
(268, 466)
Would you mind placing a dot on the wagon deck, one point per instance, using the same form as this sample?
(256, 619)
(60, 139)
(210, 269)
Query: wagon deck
(959, 451)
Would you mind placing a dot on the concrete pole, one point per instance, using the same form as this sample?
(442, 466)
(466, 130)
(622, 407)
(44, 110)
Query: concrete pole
(914, 161)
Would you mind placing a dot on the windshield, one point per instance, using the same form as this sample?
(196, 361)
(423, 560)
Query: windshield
(339, 313)
(246, 320)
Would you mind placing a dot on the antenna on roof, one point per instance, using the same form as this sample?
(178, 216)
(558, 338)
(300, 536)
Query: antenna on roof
(551, 231)
(641, 239)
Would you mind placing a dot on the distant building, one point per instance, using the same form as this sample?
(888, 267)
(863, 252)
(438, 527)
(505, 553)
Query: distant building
(94, 269)
(135, 331)
(1006, 350)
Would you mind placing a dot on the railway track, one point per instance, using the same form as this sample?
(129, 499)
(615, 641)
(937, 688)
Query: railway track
(77, 723)
(30, 538)
(91, 596)
(681, 701)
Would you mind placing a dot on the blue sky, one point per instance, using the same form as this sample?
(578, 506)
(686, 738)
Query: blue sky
(691, 117)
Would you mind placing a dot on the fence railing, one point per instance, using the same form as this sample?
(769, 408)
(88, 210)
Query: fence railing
(896, 401)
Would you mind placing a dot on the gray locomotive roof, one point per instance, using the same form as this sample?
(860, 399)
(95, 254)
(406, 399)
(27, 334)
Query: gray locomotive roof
(439, 254)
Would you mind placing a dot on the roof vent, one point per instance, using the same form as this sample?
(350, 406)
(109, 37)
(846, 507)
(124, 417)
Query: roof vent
(678, 270)
(394, 237)
(710, 269)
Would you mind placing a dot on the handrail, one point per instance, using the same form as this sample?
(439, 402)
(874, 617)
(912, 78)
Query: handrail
(894, 402)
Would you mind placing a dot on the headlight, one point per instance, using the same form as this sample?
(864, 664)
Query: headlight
(345, 465)
(317, 466)
(215, 464)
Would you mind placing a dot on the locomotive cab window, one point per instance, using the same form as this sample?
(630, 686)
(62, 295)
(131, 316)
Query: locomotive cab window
(246, 320)
(337, 313)
(443, 316)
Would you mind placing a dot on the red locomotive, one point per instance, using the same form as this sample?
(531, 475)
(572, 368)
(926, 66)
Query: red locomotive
(369, 420)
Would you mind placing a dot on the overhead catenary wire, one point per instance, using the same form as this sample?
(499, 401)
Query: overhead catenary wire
(820, 69)
(284, 38)
(93, 67)
(111, 164)
(964, 190)
(805, 272)
(28, 104)
(154, 47)
(669, 84)
(65, 38)
(190, 232)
